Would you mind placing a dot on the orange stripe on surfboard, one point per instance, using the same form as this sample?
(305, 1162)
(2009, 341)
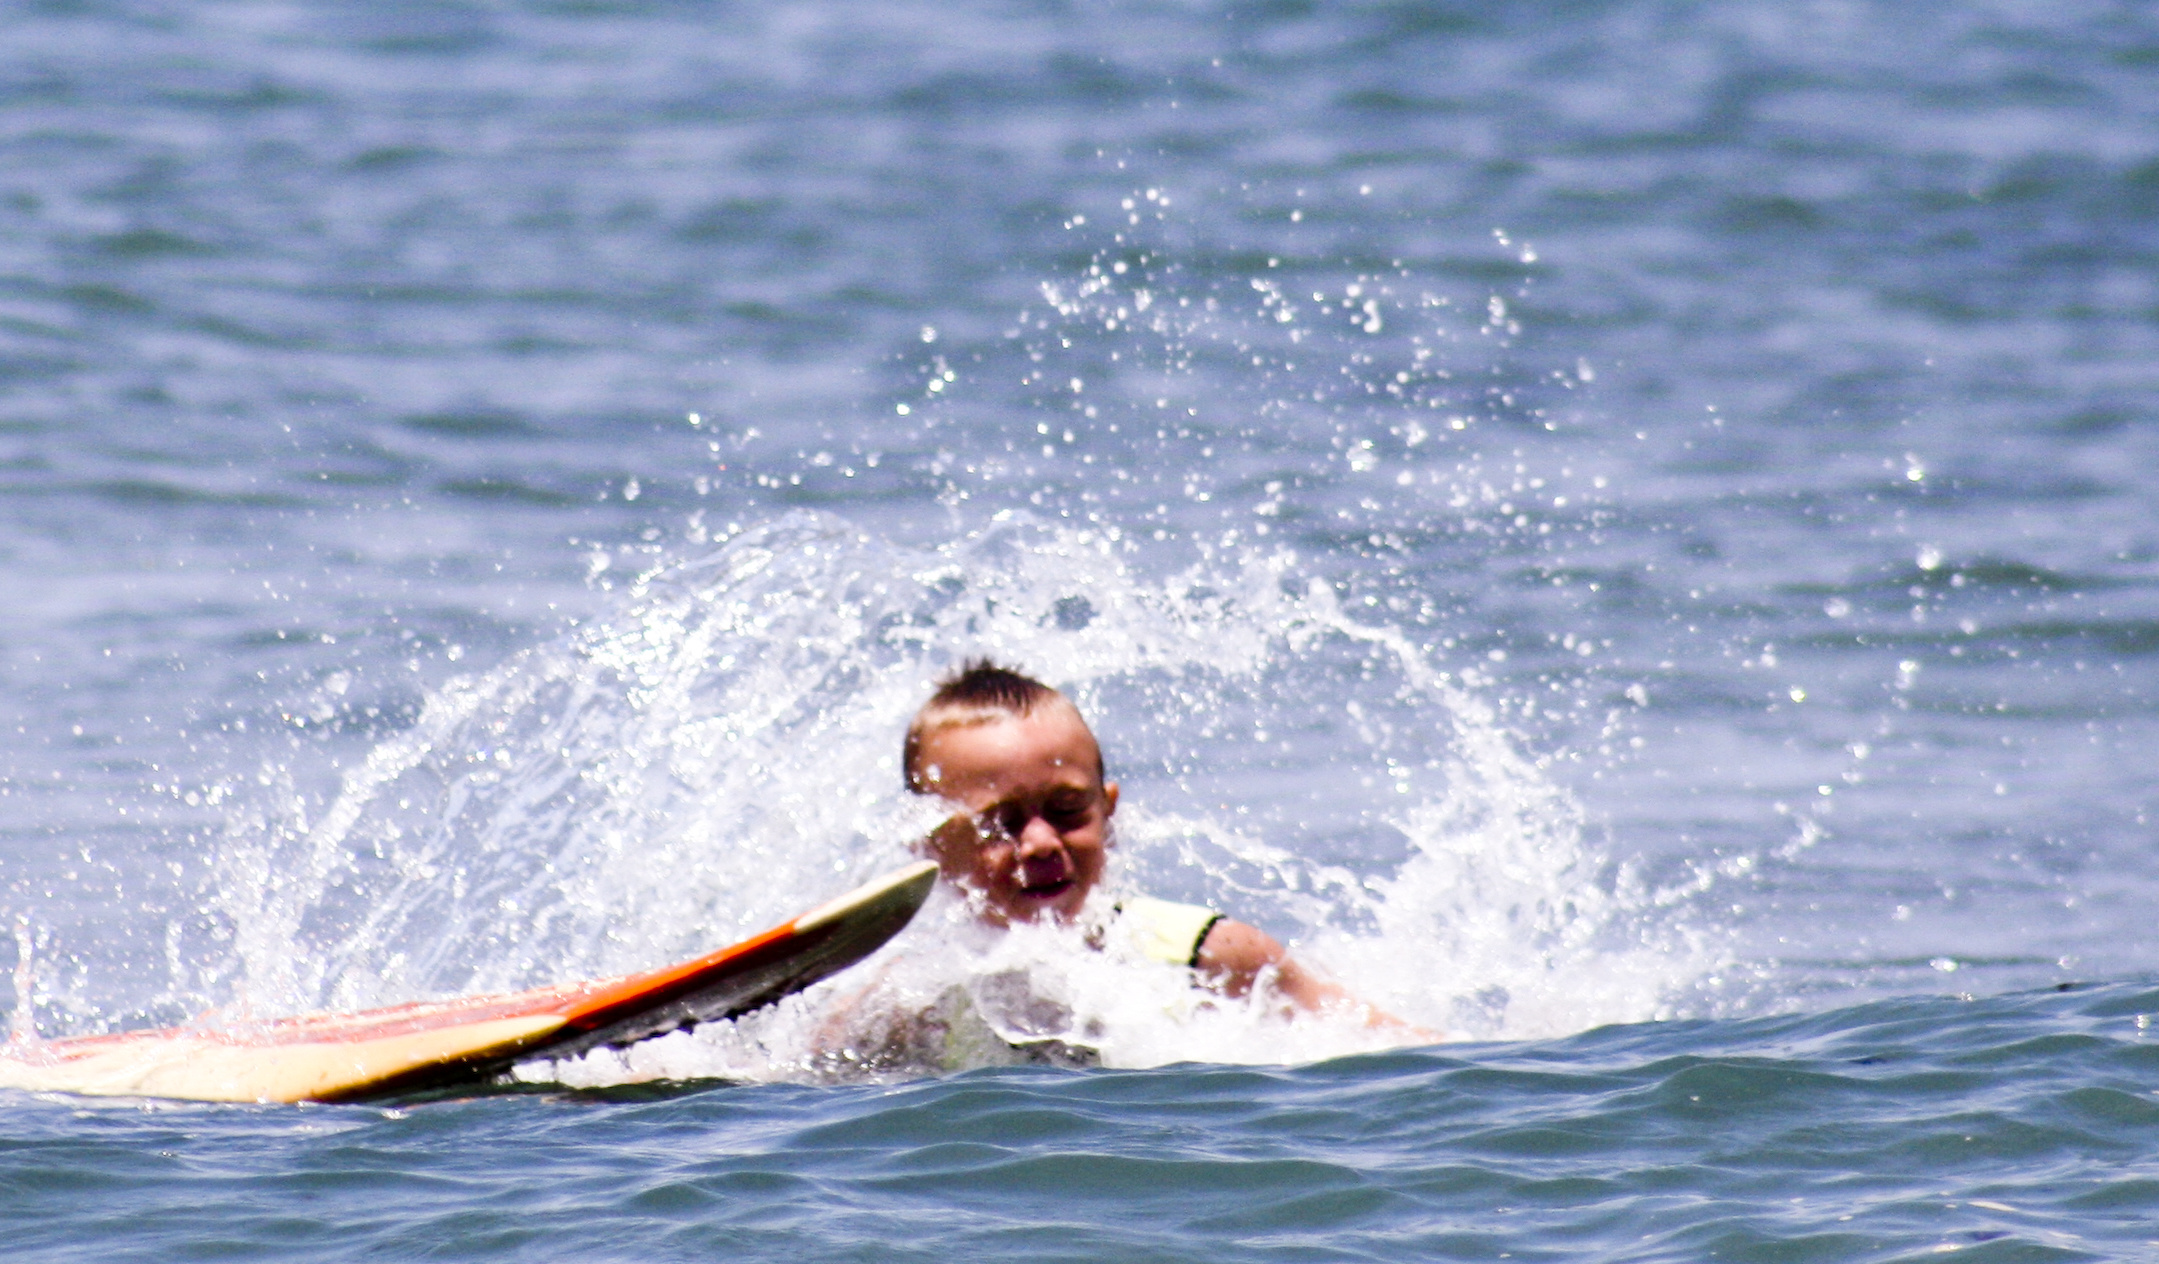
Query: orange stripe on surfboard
(420, 1044)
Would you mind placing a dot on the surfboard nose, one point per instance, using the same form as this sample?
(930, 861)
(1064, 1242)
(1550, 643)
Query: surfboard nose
(902, 888)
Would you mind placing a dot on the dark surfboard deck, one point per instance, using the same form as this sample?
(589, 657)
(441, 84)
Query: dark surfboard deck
(429, 1044)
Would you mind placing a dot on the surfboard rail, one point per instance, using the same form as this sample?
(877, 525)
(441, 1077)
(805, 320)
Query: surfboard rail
(430, 1044)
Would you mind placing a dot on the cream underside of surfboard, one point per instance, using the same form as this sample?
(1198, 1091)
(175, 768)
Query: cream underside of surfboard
(435, 1042)
(206, 1069)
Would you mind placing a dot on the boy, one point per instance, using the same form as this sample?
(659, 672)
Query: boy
(1031, 839)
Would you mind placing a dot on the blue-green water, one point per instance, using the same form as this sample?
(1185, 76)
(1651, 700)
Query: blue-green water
(2017, 1128)
(1619, 530)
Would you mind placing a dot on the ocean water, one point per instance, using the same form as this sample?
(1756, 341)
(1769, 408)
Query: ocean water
(1617, 530)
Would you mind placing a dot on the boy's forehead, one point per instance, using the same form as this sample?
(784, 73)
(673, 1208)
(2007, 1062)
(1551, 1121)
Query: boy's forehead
(1055, 713)
(983, 746)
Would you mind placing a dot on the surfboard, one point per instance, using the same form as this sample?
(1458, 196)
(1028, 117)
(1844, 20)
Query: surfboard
(430, 1044)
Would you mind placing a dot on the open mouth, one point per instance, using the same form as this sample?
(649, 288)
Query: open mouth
(1046, 890)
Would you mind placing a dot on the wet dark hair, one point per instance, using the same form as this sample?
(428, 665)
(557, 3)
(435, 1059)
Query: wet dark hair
(977, 692)
(984, 684)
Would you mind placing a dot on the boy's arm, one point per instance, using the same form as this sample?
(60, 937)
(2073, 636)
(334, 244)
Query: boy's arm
(1233, 955)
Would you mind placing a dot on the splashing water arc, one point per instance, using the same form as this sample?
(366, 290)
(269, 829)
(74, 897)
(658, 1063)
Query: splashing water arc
(723, 751)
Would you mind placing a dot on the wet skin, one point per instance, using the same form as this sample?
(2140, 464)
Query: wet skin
(1034, 834)
(1028, 844)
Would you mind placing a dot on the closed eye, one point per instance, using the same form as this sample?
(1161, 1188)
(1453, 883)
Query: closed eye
(1004, 824)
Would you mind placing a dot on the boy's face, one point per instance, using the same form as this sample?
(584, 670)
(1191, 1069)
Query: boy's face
(1032, 839)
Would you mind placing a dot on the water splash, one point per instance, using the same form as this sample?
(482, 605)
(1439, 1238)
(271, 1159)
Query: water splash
(22, 1028)
(723, 752)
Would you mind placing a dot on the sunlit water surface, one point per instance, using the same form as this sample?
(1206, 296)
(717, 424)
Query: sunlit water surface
(1616, 530)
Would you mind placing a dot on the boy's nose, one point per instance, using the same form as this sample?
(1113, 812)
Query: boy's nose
(1037, 838)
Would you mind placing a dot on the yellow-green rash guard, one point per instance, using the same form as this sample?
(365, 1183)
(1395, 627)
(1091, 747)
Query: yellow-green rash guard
(955, 1033)
(1159, 930)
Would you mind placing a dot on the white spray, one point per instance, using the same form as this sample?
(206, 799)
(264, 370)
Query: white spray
(724, 752)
